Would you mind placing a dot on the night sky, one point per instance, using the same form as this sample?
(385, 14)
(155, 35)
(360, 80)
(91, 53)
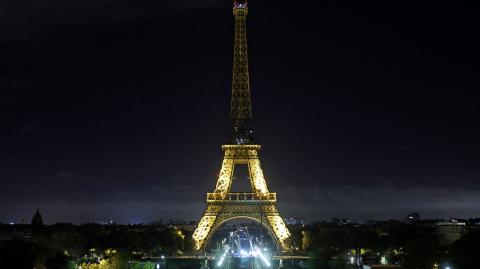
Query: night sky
(116, 109)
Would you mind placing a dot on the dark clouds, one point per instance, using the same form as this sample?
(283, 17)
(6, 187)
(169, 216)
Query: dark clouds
(353, 202)
(117, 108)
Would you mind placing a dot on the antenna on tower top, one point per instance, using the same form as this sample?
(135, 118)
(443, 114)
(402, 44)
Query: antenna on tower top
(240, 4)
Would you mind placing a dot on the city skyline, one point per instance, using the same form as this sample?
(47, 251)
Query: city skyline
(120, 115)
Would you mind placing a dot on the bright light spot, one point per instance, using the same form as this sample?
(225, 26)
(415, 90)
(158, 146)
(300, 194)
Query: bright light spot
(448, 267)
(352, 260)
(383, 260)
(158, 266)
(223, 257)
(264, 259)
(163, 257)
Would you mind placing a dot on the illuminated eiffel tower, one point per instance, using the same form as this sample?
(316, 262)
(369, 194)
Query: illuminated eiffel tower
(260, 204)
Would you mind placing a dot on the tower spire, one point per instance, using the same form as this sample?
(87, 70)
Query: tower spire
(241, 104)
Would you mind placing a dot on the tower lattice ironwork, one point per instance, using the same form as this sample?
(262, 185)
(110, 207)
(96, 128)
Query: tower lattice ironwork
(260, 204)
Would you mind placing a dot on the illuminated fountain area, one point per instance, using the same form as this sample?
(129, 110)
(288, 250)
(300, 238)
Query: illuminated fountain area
(242, 232)
(242, 243)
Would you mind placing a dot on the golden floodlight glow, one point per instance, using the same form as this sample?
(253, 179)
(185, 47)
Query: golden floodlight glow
(259, 205)
(256, 173)
(224, 181)
(280, 230)
(202, 230)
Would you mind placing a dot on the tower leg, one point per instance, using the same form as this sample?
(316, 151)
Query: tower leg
(224, 181)
(205, 226)
(257, 180)
(280, 230)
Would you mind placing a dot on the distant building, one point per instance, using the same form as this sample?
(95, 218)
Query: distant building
(183, 224)
(340, 221)
(474, 221)
(413, 217)
(294, 221)
(188, 227)
(450, 231)
(105, 222)
(37, 221)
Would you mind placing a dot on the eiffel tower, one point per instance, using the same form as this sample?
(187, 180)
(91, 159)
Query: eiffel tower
(260, 204)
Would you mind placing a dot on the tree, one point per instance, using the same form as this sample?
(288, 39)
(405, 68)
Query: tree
(465, 252)
(18, 254)
(58, 261)
(120, 261)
